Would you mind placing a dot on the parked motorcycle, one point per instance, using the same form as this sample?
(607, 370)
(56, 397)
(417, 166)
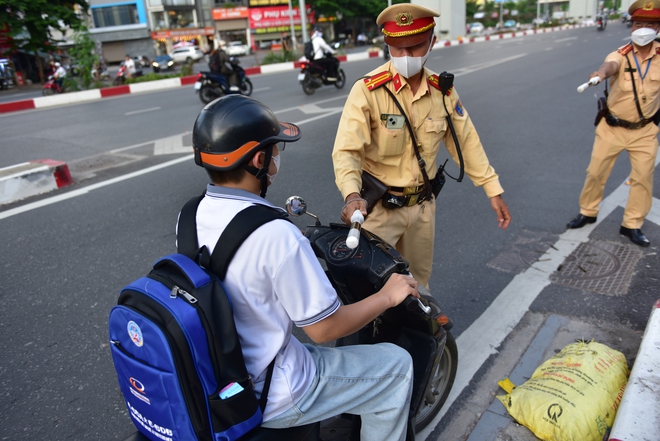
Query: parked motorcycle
(313, 75)
(51, 87)
(214, 85)
(121, 75)
(358, 264)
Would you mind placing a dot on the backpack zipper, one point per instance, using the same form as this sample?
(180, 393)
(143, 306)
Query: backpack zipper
(183, 293)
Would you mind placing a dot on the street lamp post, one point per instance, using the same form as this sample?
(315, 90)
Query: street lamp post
(293, 31)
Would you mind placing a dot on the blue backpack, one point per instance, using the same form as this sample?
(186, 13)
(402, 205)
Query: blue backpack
(174, 342)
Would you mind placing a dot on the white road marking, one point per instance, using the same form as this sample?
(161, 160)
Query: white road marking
(565, 39)
(477, 67)
(261, 89)
(486, 334)
(135, 112)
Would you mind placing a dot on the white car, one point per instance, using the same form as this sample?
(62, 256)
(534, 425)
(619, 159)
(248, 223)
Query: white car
(476, 28)
(236, 49)
(186, 54)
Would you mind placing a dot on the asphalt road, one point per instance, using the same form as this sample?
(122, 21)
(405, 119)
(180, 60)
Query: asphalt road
(67, 255)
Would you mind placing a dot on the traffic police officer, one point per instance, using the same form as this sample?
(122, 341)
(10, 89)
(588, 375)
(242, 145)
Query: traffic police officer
(373, 137)
(629, 123)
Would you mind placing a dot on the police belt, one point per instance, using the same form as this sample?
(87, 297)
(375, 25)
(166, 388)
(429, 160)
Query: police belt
(613, 121)
(411, 196)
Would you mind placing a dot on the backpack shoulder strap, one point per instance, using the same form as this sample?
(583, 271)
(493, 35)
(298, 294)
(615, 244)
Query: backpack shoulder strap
(186, 236)
(239, 229)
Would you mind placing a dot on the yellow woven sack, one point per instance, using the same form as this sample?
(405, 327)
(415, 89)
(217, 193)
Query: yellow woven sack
(573, 396)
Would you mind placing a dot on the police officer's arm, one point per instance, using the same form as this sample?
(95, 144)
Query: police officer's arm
(605, 71)
(477, 166)
(353, 134)
(348, 319)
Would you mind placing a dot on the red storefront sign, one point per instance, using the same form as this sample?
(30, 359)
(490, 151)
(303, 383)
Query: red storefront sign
(276, 16)
(230, 13)
(176, 33)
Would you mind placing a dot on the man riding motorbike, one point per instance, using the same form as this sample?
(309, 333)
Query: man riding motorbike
(219, 63)
(329, 64)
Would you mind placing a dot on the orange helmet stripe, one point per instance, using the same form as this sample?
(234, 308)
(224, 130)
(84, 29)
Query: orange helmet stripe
(225, 160)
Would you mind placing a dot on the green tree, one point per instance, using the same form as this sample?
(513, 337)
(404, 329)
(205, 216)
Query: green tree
(84, 52)
(351, 10)
(32, 22)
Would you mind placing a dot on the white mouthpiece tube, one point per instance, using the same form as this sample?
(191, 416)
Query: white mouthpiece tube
(353, 238)
(591, 82)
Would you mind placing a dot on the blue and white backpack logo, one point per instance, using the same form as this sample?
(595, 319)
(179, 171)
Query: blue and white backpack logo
(135, 333)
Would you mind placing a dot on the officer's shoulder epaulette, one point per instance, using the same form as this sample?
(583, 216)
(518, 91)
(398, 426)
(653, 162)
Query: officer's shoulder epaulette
(434, 81)
(375, 81)
(625, 49)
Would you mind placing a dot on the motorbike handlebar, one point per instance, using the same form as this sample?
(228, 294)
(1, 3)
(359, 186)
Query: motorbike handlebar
(591, 82)
(353, 238)
(413, 304)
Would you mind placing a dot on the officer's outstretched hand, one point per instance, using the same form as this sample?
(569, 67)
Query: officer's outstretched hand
(502, 211)
(353, 202)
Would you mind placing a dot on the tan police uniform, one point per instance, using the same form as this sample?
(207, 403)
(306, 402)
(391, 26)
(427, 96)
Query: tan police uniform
(368, 139)
(640, 143)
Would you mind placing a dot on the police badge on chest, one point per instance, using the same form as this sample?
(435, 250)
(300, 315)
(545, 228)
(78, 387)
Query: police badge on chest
(392, 122)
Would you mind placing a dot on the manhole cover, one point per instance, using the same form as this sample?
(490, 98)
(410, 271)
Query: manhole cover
(526, 249)
(600, 267)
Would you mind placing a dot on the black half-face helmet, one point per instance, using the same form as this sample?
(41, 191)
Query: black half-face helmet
(231, 129)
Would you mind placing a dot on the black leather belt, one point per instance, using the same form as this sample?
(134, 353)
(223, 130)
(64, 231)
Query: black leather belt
(411, 196)
(613, 121)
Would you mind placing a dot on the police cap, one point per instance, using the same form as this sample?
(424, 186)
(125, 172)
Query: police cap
(645, 10)
(405, 24)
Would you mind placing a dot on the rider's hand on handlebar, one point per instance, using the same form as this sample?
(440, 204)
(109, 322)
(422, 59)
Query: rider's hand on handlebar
(398, 287)
(353, 202)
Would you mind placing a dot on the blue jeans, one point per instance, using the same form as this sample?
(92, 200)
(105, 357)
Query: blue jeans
(373, 381)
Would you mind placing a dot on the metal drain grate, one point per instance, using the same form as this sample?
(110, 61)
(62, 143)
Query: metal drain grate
(526, 249)
(600, 267)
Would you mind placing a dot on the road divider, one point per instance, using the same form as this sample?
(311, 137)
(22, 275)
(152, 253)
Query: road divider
(32, 178)
(171, 83)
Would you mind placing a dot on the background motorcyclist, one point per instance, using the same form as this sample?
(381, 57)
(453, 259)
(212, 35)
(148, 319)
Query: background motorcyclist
(219, 63)
(59, 74)
(129, 64)
(329, 64)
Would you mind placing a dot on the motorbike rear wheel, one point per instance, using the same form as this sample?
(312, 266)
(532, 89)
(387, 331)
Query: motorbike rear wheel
(246, 87)
(439, 385)
(48, 91)
(308, 85)
(208, 93)
(118, 81)
(341, 79)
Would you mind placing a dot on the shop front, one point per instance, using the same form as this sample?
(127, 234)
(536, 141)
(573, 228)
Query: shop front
(272, 23)
(166, 39)
(231, 24)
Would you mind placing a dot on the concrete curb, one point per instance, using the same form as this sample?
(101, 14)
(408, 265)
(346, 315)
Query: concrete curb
(638, 417)
(32, 178)
(170, 83)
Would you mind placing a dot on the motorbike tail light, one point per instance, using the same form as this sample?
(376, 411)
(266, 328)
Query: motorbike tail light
(442, 320)
(200, 76)
(303, 65)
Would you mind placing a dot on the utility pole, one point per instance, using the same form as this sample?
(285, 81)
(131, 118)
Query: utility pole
(293, 30)
(303, 21)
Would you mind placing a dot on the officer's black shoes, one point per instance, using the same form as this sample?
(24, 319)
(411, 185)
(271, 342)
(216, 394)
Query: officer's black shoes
(635, 235)
(580, 221)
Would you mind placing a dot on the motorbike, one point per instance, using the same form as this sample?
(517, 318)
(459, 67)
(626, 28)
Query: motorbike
(51, 87)
(121, 75)
(358, 263)
(601, 23)
(313, 75)
(211, 86)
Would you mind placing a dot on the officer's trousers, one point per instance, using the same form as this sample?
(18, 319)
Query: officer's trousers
(411, 230)
(642, 147)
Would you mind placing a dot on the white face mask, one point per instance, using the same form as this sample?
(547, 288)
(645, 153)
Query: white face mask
(276, 161)
(410, 66)
(643, 36)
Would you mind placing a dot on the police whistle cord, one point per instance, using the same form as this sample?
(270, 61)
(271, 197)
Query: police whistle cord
(428, 190)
